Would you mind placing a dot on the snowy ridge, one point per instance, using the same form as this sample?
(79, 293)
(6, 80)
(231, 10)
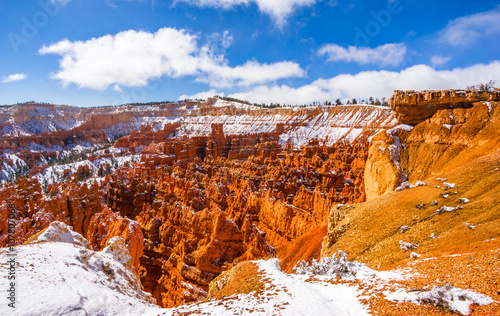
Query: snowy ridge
(60, 232)
(341, 123)
(237, 105)
(64, 278)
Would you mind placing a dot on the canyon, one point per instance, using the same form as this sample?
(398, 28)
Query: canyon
(197, 189)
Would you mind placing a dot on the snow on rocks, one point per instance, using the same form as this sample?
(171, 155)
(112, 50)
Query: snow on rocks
(60, 232)
(118, 249)
(405, 246)
(469, 226)
(449, 297)
(444, 209)
(463, 200)
(415, 255)
(490, 108)
(336, 265)
(60, 277)
(407, 185)
(404, 228)
(396, 147)
(404, 186)
(448, 185)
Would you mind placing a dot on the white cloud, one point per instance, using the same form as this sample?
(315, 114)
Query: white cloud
(249, 73)
(437, 60)
(133, 58)
(374, 83)
(384, 55)
(14, 77)
(280, 10)
(467, 30)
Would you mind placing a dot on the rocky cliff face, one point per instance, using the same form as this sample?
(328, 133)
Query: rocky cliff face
(449, 128)
(413, 107)
(201, 217)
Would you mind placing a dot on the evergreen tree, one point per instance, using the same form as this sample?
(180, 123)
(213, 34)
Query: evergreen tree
(384, 102)
(338, 102)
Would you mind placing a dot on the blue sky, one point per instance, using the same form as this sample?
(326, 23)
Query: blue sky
(91, 53)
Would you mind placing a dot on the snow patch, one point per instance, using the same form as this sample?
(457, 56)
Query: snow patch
(405, 246)
(448, 185)
(118, 249)
(444, 209)
(449, 297)
(60, 232)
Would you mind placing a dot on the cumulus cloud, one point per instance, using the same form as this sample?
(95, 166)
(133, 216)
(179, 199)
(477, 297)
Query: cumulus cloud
(133, 58)
(249, 73)
(437, 60)
(14, 77)
(373, 83)
(384, 55)
(279, 10)
(468, 29)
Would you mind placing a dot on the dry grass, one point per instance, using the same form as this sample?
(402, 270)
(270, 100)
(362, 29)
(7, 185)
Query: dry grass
(373, 235)
(244, 278)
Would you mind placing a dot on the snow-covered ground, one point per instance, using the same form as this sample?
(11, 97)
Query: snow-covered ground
(58, 274)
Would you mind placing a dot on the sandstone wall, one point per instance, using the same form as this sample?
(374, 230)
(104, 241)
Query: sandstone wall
(413, 107)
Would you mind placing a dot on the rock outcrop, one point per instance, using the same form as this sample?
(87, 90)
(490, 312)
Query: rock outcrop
(107, 225)
(450, 125)
(200, 217)
(413, 107)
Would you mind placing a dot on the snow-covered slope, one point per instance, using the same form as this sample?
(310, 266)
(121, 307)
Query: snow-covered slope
(285, 294)
(300, 125)
(58, 276)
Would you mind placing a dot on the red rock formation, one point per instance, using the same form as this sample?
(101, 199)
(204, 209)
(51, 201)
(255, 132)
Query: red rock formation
(201, 216)
(413, 107)
(450, 128)
(73, 203)
(108, 224)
